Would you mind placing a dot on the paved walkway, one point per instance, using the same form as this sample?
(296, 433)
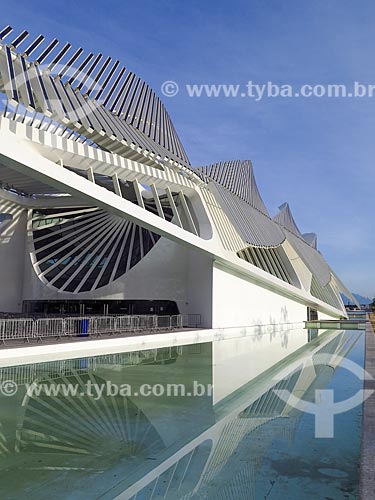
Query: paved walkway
(367, 471)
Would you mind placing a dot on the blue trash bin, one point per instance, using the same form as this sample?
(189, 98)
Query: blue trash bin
(83, 363)
(84, 327)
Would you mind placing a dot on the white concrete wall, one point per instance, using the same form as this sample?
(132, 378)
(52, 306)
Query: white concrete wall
(200, 287)
(12, 245)
(239, 302)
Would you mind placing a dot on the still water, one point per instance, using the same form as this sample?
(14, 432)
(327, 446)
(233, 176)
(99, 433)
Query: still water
(229, 429)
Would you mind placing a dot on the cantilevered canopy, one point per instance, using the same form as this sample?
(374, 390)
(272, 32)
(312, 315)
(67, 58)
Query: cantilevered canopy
(233, 183)
(93, 96)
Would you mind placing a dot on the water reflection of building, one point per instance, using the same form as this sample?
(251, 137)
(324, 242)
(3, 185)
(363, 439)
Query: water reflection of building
(242, 435)
(62, 368)
(146, 448)
(3, 444)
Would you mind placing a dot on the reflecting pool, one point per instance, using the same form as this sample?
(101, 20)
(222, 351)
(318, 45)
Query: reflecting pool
(216, 420)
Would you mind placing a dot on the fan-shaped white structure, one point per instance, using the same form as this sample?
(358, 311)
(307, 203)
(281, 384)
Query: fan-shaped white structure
(76, 424)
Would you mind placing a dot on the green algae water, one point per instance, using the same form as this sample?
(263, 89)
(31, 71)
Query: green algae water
(213, 421)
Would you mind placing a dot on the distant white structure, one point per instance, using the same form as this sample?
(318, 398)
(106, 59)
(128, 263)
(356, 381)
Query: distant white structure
(101, 211)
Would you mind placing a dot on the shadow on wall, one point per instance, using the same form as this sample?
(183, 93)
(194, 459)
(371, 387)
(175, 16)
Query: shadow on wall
(272, 328)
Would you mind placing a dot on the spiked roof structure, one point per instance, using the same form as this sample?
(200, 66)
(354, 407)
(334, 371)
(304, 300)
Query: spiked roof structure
(235, 185)
(312, 239)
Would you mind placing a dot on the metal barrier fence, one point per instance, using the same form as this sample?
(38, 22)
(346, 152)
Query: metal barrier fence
(26, 329)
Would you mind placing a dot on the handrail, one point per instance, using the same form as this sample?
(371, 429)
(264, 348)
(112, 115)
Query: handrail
(40, 328)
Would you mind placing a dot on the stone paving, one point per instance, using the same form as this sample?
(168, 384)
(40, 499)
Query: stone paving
(367, 471)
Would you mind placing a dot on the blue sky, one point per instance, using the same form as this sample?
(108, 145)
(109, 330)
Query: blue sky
(317, 154)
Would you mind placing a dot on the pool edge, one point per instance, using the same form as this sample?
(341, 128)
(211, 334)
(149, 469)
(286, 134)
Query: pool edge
(97, 347)
(367, 460)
